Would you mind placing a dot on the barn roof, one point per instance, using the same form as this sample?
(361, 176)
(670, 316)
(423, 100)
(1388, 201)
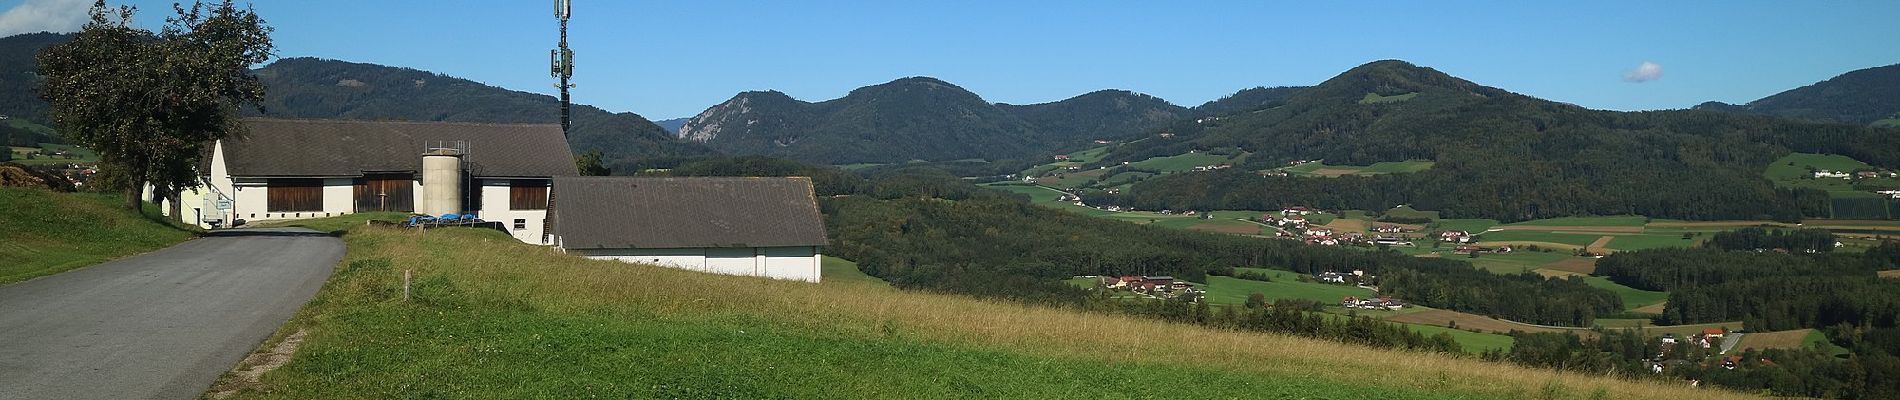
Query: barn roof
(679, 212)
(291, 147)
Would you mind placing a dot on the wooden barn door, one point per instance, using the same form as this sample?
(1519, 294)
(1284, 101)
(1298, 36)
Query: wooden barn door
(385, 192)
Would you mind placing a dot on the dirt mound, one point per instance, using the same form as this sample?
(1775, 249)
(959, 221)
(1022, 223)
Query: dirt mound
(16, 175)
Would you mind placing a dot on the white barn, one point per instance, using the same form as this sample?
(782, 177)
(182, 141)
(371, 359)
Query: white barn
(291, 169)
(767, 227)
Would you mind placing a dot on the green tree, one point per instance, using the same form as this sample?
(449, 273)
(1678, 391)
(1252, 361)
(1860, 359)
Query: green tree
(1256, 300)
(151, 103)
(590, 165)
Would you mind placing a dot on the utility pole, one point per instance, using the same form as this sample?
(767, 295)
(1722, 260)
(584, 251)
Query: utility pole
(561, 60)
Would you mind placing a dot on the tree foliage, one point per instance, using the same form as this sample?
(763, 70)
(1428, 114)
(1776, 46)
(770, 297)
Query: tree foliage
(150, 103)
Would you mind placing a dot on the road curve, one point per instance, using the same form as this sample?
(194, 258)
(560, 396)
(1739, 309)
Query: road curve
(162, 325)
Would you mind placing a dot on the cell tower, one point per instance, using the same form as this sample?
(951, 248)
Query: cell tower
(561, 60)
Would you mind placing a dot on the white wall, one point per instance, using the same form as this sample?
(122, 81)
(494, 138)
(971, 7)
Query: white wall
(494, 207)
(790, 263)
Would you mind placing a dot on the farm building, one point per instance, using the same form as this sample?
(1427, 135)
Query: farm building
(292, 169)
(766, 227)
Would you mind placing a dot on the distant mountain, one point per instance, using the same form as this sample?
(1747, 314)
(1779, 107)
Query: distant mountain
(672, 125)
(319, 88)
(1860, 97)
(918, 118)
(1497, 154)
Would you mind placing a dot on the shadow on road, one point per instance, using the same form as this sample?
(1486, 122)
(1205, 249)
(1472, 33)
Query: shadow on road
(265, 233)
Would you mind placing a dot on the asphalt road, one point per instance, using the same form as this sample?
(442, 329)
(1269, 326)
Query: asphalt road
(162, 325)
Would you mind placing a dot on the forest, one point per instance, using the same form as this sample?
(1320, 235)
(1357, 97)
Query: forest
(1767, 291)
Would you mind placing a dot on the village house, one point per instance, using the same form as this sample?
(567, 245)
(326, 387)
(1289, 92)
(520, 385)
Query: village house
(1296, 211)
(1062, 157)
(1467, 249)
(1830, 174)
(1380, 303)
(292, 169)
(1455, 236)
(1332, 277)
(1387, 229)
(767, 227)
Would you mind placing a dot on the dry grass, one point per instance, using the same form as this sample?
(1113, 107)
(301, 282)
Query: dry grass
(1892, 273)
(1471, 321)
(1343, 225)
(492, 266)
(1794, 339)
(1335, 172)
(1611, 230)
(1601, 245)
(1574, 265)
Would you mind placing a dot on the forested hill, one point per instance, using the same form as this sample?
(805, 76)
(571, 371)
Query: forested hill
(19, 94)
(1860, 97)
(320, 88)
(919, 118)
(1250, 99)
(1498, 154)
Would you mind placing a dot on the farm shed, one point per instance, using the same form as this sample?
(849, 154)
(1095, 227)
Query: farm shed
(767, 227)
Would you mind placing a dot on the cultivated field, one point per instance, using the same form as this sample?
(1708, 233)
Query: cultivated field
(1575, 265)
(1794, 339)
(1892, 273)
(1321, 169)
(492, 317)
(1448, 318)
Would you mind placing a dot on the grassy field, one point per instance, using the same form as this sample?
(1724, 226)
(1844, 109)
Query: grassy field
(1794, 339)
(43, 233)
(1409, 212)
(1793, 170)
(494, 318)
(1374, 98)
(1621, 220)
(1285, 285)
(1633, 298)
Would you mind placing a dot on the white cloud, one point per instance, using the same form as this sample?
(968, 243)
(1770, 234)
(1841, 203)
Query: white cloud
(1649, 71)
(45, 16)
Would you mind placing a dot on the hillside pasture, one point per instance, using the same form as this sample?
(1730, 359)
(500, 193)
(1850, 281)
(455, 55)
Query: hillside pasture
(1321, 169)
(1650, 309)
(1633, 298)
(1515, 262)
(494, 318)
(1410, 213)
(1795, 170)
(44, 233)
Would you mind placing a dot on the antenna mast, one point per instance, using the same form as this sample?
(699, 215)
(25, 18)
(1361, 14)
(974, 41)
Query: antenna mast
(561, 60)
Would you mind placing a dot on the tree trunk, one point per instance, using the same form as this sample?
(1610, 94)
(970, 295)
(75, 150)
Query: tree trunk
(176, 199)
(134, 190)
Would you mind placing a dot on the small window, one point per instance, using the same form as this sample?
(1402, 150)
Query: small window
(521, 224)
(528, 194)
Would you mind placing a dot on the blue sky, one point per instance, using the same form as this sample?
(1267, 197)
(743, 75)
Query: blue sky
(674, 59)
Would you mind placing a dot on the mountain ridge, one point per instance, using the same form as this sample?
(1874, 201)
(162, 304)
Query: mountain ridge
(1861, 97)
(919, 118)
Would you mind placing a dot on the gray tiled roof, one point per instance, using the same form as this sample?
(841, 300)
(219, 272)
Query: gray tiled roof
(675, 212)
(289, 147)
